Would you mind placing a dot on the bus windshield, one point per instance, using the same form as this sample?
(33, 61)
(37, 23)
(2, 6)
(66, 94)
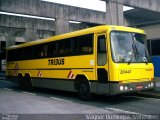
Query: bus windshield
(128, 47)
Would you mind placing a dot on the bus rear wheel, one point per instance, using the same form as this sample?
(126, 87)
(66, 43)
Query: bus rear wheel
(20, 81)
(27, 83)
(84, 91)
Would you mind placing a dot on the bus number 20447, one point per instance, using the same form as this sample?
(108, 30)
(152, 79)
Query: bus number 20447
(125, 71)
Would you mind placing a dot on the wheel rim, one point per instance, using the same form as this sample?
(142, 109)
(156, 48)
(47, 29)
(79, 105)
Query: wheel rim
(83, 89)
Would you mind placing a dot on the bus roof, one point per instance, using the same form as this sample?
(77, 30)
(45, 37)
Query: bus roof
(97, 29)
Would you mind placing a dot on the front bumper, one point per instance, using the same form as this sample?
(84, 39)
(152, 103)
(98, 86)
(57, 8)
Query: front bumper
(120, 88)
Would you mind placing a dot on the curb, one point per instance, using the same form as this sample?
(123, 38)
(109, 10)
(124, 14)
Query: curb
(149, 94)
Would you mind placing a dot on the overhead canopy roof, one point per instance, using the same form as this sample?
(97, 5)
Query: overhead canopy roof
(148, 17)
(143, 14)
(145, 4)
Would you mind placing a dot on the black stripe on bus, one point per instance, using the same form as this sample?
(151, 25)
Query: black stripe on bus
(52, 78)
(62, 79)
(52, 69)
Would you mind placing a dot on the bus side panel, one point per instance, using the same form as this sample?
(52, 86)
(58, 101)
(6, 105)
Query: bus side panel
(55, 76)
(58, 84)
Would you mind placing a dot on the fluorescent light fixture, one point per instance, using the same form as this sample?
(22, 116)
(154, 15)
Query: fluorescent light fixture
(76, 22)
(126, 8)
(28, 16)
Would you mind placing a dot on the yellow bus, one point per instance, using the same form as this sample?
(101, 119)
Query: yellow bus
(104, 59)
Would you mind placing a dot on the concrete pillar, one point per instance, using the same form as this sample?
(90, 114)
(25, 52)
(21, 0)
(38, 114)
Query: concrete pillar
(30, 34)
(10, 41)
(114, 13)
(62, 26)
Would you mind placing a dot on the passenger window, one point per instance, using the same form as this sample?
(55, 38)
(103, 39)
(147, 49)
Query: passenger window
(28, 52)
(45, 50)
(86, 44)
(40, 51)
(101, 50)
(67, 47)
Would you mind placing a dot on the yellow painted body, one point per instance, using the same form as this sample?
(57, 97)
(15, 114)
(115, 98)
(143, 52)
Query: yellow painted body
(51, 71)
(140, 72)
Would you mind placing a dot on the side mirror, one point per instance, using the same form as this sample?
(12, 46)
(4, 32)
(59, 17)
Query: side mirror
(145, 59)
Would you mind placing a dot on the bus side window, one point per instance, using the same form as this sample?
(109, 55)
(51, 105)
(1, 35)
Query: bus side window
(39, 51)
(75, 46)
(86, 44)
(19, 54)
(28, 52)
(60, 48)
(101, 50)
(13, 55)
(51, 49)
(45, 50)
(67, 47)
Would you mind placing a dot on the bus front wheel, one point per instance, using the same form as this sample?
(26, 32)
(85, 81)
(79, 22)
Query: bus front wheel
(84, 91)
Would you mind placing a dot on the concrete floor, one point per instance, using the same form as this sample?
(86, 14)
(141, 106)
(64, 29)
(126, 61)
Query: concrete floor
(56, 104)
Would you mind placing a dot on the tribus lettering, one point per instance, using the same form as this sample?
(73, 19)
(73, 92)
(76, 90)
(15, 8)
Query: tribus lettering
(56, 61)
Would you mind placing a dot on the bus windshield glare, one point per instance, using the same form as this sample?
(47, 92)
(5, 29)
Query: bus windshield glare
(128, 47)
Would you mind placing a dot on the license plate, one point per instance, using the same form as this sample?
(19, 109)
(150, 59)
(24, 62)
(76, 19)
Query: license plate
(139, 87)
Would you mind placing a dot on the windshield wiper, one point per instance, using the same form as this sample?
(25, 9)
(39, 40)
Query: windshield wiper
(145, 60)
(138, 57)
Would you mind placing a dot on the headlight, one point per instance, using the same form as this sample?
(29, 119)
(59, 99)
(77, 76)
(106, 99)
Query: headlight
(126, 88)
(152, 84)
(121, 88)
(149, 85)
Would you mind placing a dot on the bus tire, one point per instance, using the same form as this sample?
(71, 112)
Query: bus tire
(20, 81)
(84, 90)
(28, 83)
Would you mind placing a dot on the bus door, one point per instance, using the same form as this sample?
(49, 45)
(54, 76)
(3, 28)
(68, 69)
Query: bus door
(102, 64)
